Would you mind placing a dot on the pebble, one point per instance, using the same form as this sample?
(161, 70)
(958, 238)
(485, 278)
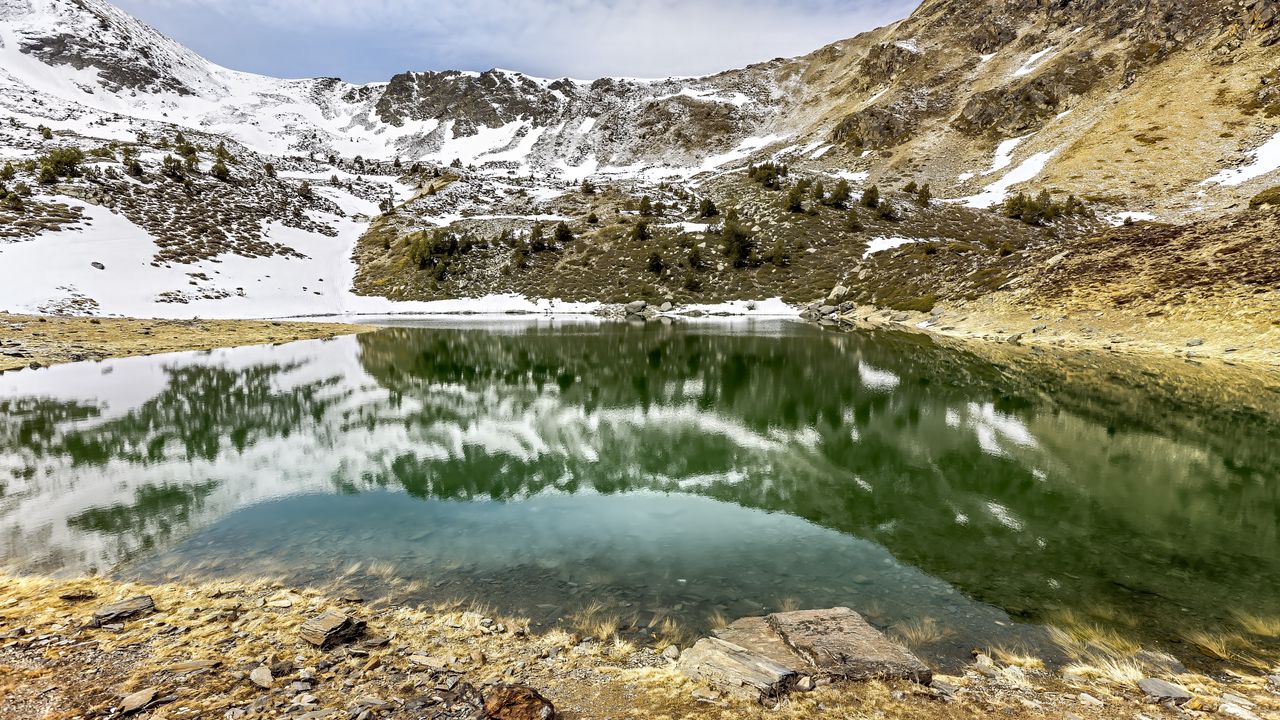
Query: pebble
(805, 684)
(261, 676)
(1087, 699)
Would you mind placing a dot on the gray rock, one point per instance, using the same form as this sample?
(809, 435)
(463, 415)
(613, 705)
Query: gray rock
(805, 684)
(98, 266)
(138, 700)
(1091, 701)
(736, 669)
(1159, 663)
(1233, 710)
(666, 307)
(671, 652)
(1195, 342)
(123, 610)
(1235, 699)
(261, 676)
(331, 628)
(1273, 681)
(636, 307)
(1164, 690)
(826, 310)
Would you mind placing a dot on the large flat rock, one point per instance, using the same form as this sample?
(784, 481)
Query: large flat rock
(767, 655)
(838, 642)
(733, 668)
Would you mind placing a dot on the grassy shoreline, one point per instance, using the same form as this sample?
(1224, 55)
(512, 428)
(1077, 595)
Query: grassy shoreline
(40, 341)
(197, 652)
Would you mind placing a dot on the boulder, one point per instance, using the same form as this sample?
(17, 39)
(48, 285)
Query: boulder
(1162, 690)
(771, 655)
(123, 610)
(137, 701)
(331, 628)
(636, 307)
(517, 702)
(262, 677)
(839, 643)
(736, 669)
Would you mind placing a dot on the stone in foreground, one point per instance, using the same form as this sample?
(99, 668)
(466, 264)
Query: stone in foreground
(123, 610)
(736, 669)
(769, 655)
(1163, 690)
(840, 644)
(330, 629)
(516, 702)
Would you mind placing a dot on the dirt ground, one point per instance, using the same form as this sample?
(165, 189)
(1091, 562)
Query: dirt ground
(29, 341)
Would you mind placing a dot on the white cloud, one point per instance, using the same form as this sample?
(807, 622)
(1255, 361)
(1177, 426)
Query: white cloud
(579, 38)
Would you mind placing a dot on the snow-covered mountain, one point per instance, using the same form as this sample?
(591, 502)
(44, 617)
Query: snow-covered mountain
(87, 62)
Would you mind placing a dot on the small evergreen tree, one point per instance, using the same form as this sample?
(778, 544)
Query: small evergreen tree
(736, 243)
(7, 172)
(646, 206)
(269, 169)
(886, 211)
(778, 256)
(220, 171)
(911, 188)
(640, 233)
(48, 176)
(305, 189)
(708, 208)
(655, 263)
(840, 196)
(593, 219)
(852, 222)
(588, 188)
(871, 197)
(924, 196)
(563, 234)
(794, 202)
(537, 238)
(819, 192)
(46, 133)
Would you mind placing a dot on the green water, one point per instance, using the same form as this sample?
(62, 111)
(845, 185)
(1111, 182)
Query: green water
(657, 470)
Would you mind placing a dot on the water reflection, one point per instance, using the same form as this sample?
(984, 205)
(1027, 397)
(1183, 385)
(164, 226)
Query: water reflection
(652, 468)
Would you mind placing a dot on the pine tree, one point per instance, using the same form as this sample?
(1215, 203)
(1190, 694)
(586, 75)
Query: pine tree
(305, 189)
(794, 202)
(736, 243)
(871, 197)
(840, 196)
(779, 256)
(640, 233)
(646, 206)
(563, 234)
(46, 133)
(655, 263)
(220, 171)
(911, 188)
(852, 222)
(819, 192)
(708, 208)
(593, 219)
(48, 176)
(269, 169)
(7, 172)
(924, 196)
(537, 238)
(588, 188)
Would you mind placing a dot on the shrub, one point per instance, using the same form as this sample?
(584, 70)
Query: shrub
(768, 174)
(911, 188)
(871, 197)
(563, 234)
(839, 197)
(538, 238)
(708, 208)
(7, 172)
(593, 219)
(305, 189)
(588, 188)
(62, 162)
(852, 222)
(269, 169)
(924, 196)
(45, 133)
(655, 263)
(646, 206)
(886, 211)
(640, 232)
(794, 202)
(778, 256)
(220, 171)
(819, 192)
(736, 243)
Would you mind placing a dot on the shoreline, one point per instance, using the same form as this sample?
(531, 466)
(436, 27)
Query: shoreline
(237, 649)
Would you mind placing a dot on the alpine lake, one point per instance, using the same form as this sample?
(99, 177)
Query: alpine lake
(679, 473)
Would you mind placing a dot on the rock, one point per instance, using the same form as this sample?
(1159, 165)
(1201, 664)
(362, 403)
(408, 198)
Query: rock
(190, 665)
(827, 310)
(331, 628)
(261, 676)
(736, 669)
(705, 696)
(666, 307)
(1087, 699)
(1235, 699)
(517, 702)
(1056, 259)
(1195, 342)
(137, 701)
(671, 652)
(428, 661)
(123, 610)
(1236, 711)
(636, 307)
(840, 643)
(477, 657)
(1162, 690)
(98, 266)
(805, 684)
(1273, 681)
(837, 294)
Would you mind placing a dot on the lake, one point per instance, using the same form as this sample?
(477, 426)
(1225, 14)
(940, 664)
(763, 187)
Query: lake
(658, 473)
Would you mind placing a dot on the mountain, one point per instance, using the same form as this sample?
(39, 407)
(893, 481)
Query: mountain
(432, 185)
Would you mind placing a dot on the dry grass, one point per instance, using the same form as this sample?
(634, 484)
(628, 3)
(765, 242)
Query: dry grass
(1081, 637)
(919, 632)
(54, 340)
(1017, 657)
(1267, 627)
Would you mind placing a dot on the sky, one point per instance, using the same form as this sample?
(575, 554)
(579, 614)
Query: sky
(371, 40)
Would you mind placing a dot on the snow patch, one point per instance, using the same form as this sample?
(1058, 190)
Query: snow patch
(1033, 62)
(1266, 159)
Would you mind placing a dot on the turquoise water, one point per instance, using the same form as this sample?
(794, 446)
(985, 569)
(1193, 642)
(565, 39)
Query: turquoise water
(654, 471)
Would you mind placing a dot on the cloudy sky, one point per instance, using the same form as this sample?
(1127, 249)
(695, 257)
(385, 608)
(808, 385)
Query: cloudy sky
(367, 40)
